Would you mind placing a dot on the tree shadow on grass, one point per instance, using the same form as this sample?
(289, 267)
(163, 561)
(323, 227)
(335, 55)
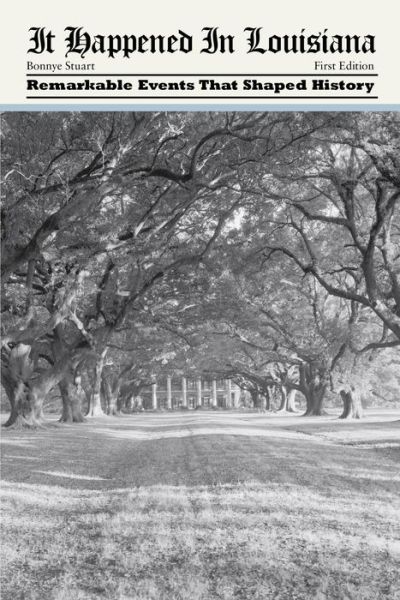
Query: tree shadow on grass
(161, 535)
(102, 459)
(100, 508)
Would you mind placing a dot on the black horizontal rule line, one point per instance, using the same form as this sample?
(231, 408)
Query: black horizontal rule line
(201, 74)
(202, 97)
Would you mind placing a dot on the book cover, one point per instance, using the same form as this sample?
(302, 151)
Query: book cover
(200, 393)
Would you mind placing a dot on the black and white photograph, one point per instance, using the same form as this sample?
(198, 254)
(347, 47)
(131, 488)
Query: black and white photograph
(200, 360)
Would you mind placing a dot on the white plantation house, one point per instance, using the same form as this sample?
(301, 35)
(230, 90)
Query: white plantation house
(172, 392)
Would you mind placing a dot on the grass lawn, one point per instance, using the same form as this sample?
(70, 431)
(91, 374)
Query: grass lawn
(203, 506)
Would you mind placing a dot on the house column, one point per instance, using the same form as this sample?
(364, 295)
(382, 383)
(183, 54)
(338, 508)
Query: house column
(169, 393)
(154, 395)
(214, 393)
(228, 393)
(184, 392)
(236, 396)
(199, 403)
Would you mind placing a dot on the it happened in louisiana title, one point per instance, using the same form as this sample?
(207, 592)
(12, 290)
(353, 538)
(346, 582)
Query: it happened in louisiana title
(80, 42)
(203, 85)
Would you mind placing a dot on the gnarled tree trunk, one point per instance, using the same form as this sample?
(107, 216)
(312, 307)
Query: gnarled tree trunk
(71, 395)
(291, 401)
(283, 402)
(270, 392)
(313, 384)
(22, 412)
(70, 386)
(288, 400)
(254, 397)
(95, 408)
(267, 399)
(112, 386)
(129, 397)
(26, 396)
(314, 401)
(352, 406)
(9, 387)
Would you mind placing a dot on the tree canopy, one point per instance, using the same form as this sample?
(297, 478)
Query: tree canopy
(258, 246)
